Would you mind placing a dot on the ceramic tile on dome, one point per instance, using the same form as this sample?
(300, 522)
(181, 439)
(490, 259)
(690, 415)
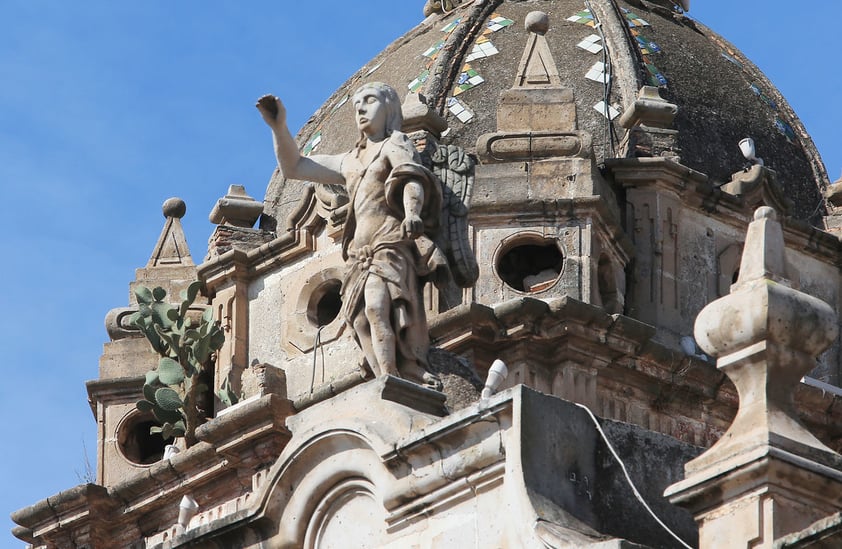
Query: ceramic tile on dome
(312, 143)
(469, 78)
(591, 43)
(459, 109)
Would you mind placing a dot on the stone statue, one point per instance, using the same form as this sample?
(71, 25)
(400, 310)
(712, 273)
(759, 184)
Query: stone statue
(389, 237)
(440, 6)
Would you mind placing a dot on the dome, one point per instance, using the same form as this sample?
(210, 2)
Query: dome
(721, 96)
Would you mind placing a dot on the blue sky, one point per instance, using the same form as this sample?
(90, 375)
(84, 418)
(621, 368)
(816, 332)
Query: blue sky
(108, 108)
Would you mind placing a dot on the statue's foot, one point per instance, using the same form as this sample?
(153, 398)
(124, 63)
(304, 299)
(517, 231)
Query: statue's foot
(418, 374)
(365, 370)
(432, 381)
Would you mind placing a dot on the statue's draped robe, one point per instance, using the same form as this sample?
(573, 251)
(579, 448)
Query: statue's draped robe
(372, 243)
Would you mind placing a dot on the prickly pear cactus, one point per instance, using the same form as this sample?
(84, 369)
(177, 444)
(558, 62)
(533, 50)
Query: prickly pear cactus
(173, 391)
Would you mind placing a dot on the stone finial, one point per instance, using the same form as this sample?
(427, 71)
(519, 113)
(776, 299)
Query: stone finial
(758, 185)
(536, 118)
(767, 260)
(174, 207)
(834, 193)
(440, 6)
(236, 208)
(537, 69)
(537, 22)
(170, 266)
(766, 337)
(418, 116)
(171, 248)
(649, 120)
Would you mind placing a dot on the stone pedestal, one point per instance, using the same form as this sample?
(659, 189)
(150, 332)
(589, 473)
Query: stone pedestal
(758, 497)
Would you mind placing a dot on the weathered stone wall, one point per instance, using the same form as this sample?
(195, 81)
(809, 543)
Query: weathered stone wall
(284, 316)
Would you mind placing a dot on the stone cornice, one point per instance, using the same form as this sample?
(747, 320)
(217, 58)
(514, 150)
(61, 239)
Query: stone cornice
(72, 513)
(110, 389)
(697, 191)
(665, 174)
(232, 446)
(624, 350)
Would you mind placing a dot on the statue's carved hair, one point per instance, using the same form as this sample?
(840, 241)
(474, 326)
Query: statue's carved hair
(389, 97)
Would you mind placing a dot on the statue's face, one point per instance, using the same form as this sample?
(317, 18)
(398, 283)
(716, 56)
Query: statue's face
(371, 113)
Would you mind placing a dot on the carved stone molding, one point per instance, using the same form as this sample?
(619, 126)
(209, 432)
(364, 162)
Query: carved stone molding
(529, 146)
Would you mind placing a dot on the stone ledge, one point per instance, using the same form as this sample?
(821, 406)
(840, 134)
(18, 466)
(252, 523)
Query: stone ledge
(697, 190)
(626, 355)
(237, 444)
(83, 508)
(825, 533)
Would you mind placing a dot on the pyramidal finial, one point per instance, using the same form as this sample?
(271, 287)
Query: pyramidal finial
(537, 68)
(171, 249)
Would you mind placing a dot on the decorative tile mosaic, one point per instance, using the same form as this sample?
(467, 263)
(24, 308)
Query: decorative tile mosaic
(765, 98)
(336, 106)
(498, 22)
(597, 73)
(447, 29)
(727, 52)
(607, 111)
(312, 143)
(433, 51)
(584, 17)
(655, 76)
(634, 20)
(481, 51)
(469, 78)
(372, 69)
(785, 129)
(416, 84)
(591, 43)
(732, 59)
(459, 109)
(646, 46)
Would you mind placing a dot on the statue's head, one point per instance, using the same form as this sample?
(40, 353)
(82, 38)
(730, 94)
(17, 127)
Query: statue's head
(382, 106)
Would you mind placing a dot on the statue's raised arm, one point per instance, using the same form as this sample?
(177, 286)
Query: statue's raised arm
(318, 169)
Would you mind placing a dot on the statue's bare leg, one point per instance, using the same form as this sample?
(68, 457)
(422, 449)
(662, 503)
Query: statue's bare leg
(378, 311)
(361, 329)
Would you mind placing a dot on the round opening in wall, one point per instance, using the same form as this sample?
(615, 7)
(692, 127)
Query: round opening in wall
(325, 303)
(530, 263)
(136, 443)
